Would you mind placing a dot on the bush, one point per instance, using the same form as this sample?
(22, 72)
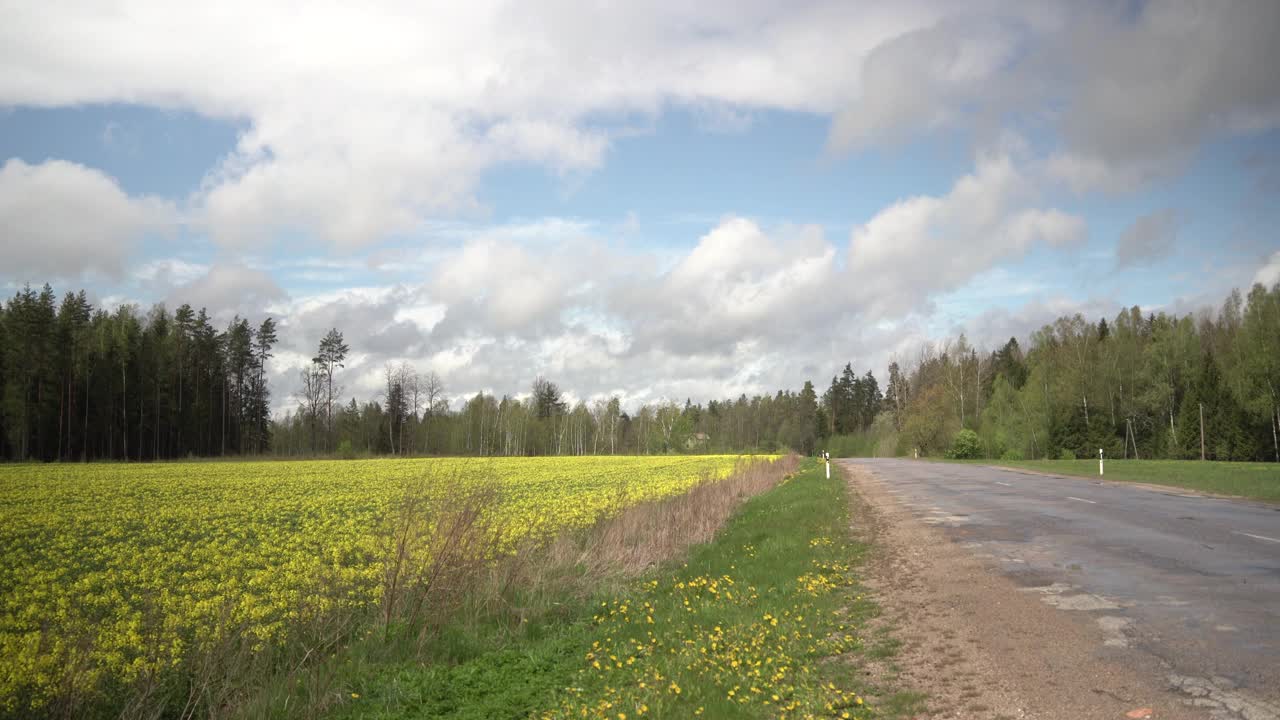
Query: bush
(345, 451)
(965, 446)
(1067, 454)
(1012, 455)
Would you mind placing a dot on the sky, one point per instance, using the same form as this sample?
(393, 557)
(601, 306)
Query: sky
(658, 200)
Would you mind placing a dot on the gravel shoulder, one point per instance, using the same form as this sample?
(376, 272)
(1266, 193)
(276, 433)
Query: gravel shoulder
(981, 647)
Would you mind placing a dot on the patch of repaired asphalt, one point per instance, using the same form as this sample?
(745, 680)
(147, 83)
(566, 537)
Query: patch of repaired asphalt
(1066, 597)
(1223, 700)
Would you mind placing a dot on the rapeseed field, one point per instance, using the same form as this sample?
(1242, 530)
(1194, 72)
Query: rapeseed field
(113, 572)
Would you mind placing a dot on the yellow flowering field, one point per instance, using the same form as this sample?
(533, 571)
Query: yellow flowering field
(108, 572)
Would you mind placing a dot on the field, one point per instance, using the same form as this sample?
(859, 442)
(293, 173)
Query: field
(767, 620)
(1259, 481)
(111, 573)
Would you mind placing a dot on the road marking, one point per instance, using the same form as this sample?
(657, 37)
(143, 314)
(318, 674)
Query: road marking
(1004, 484)
(1091, 502)
(1255, 537)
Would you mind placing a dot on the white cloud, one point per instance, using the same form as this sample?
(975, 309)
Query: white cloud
(169, 271)
(1269, 273)
(362, 121)
(228, 288)
(63, 220)
(746, 309)
(925, 245)
(737, 283)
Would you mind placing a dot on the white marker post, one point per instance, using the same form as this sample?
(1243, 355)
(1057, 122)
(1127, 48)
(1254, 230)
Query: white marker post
(1099, 461)
(827, 456)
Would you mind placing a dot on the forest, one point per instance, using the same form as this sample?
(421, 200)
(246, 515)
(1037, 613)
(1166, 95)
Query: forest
(1148, 386)
(84, 383)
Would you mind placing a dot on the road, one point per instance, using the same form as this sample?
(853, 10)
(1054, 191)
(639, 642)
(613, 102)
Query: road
(1192, 580)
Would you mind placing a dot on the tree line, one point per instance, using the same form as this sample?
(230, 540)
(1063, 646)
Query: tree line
(1153, 385)
(411, 416)
(85, 383)
(81, 383)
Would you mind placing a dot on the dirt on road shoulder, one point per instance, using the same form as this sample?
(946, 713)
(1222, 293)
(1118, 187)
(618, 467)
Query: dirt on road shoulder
(980, 648)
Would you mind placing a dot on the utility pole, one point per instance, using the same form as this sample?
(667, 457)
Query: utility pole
(1201, 431)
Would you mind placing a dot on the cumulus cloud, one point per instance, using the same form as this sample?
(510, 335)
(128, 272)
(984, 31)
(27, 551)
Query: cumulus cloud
(924, 245)
(1150, 238)
(737, 283)
(1269, 273)
(62, 220)
(226, 289)
(499, 285)
(362, 121)
(747, 308)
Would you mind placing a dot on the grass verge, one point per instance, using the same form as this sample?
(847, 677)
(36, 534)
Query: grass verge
(762, 621)
(1258, 481)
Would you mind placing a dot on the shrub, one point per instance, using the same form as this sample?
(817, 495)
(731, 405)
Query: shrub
(1067, 454)
(345, 451)
(1012, 455)
(965, 446)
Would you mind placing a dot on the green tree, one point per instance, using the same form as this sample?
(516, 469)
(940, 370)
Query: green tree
(332, 353)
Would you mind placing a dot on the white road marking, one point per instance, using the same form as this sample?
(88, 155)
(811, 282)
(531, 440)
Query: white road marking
(1004, 484)
(1091, 502)
(1255, 537)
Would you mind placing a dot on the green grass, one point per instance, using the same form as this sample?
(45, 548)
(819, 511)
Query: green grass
(765, 621)
(1259, 481)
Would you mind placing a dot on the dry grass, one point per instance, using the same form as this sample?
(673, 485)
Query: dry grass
(440, 551)
(646, 535)
(621, 547)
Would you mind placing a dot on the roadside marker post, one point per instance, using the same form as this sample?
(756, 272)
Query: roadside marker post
(1099, 461)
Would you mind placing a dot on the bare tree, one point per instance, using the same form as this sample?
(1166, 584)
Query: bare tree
(599, 416)
(615, 415)
(432, 389)
(981, 364)
(409, 383)
(311, 396)
(954, 356)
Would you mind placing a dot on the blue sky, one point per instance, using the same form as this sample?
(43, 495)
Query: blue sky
(655, 202)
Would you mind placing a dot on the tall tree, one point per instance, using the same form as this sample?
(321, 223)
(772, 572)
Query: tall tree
(260, 397)
(333, 351)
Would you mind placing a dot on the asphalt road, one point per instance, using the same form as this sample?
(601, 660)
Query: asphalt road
(1191, 580)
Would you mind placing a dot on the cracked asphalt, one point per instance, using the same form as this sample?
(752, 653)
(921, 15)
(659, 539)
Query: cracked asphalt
(1190, 581)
